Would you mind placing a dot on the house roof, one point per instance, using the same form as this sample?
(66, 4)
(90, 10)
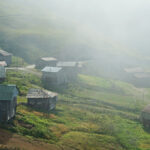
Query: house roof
(142, 75)
(66, 64)
(4, 53)
(7, 92)
(48, 59)
(134, 70)
(40, 93)
(51, 69)
(2, 72)
(3, 63)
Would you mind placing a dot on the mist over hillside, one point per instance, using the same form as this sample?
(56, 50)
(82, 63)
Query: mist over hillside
(76, 30)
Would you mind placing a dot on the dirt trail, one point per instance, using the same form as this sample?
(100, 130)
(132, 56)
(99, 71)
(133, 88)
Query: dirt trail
(28, 69)
(13, 140)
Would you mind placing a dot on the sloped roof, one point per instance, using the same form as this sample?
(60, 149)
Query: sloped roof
(134, 70)
(7, 92)
(40, 93)
(4, 53)
(67, 64)
(3, 63)
(51, 69)
(48, 59)
(142, 75)
(2, 72)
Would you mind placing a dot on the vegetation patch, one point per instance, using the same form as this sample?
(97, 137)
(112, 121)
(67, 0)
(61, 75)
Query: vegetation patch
(86, 118)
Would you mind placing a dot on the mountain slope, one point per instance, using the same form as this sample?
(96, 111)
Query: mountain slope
(92, 113)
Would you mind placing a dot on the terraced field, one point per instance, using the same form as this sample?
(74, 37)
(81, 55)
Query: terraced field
(91, 114)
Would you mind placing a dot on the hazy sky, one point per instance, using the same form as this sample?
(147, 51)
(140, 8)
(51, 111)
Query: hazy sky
(123, 21)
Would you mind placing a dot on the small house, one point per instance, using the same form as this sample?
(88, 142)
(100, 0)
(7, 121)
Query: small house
(8, 102)
(70, 69)
(52, 76)
(42, 99)
(145, 116)
(46, 61)
(5, 56)
(2, 73)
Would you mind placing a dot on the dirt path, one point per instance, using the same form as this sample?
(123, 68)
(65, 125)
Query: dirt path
(13, 140)
(28, 69)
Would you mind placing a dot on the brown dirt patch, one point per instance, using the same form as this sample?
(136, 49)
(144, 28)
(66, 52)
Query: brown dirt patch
(13, 140)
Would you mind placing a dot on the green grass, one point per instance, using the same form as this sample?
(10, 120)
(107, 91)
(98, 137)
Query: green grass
(18, 62)
(91, 114)
(23, 80)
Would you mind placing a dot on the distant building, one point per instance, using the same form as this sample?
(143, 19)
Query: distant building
(42, 99)
(145, 116)
(70, 69)
(5, 56)
(2, 73)
(134, 70)
(3, 63)
(8, 102)
(67, 64)
(52, 76)
(46, 61)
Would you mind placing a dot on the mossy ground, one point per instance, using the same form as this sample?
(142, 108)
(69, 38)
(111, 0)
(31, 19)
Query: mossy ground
(91, 114)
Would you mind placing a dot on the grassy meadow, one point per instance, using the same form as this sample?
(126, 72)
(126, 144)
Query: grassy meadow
(91, 114)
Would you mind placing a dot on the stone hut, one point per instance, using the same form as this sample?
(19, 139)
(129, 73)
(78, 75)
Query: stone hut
(8, 102)
(53, 76)
(5, 56)
(2, 73)
(42, 99)
(46, 61)
(145, 116)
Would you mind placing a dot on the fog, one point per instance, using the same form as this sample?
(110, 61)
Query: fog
(112, 34)
(126, 22)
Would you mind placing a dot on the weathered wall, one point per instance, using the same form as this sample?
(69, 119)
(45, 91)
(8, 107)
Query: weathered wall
(45, 104)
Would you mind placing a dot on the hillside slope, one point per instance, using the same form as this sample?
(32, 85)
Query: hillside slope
(93, 114)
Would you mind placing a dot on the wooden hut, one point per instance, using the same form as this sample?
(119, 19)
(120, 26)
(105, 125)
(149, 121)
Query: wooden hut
(145, 116)
(5, 56)
(70, 70)
(42, 99)
(2, 73)
(53, 76)
(8, 102)
(46, 61)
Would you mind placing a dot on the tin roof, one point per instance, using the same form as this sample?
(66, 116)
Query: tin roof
(7, 92)
(51, 69)
(3, 63)
(134, 70)
(4, 53)
(40, 93)
(2, 72)
(67, 64)
(48, 59)
(142, 75)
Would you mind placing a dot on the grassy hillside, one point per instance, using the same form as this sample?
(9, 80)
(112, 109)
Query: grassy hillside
(93, 114)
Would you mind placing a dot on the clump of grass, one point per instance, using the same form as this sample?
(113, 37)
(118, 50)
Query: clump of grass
(24, 81)
(8, 148)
